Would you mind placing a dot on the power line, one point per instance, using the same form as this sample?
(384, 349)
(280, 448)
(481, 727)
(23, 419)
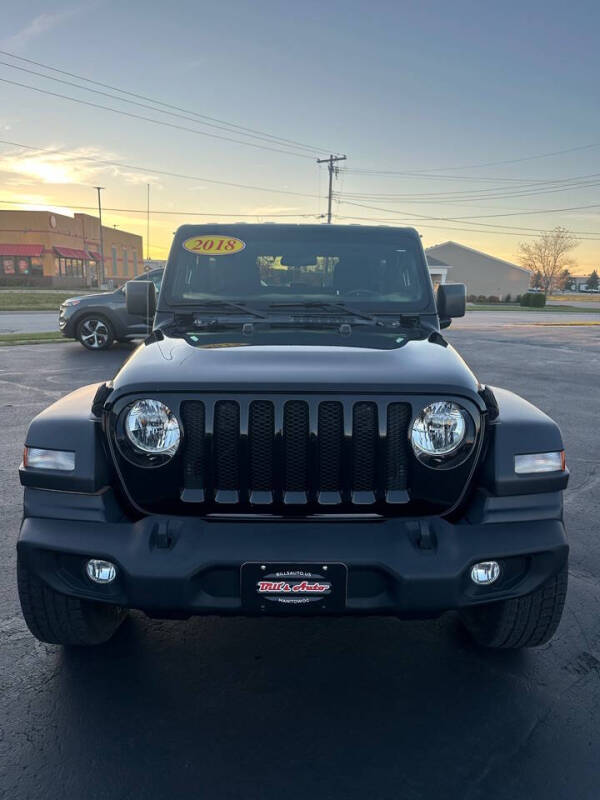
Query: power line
(145, 105)
(467, 218)
(156, 211)
(487, 163)
(230, 125)
(387, 220)
(167, 173)
(524, 190)
(150, 119)
(512, 230)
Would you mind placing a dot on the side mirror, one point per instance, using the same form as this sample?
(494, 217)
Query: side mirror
(451, 302)
(141, 298)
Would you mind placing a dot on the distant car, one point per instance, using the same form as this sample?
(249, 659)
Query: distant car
(535, 290)
(97, 320)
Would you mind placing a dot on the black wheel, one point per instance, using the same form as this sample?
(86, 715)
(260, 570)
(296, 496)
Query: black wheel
(95, 332)
(528, 621)
(59, 619)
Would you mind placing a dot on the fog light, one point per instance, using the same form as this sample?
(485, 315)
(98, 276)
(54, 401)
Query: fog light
(100, 571)
(485, 572)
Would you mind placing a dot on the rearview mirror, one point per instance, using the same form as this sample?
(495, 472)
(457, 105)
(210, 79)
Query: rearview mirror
(451, 302)
(140, 298)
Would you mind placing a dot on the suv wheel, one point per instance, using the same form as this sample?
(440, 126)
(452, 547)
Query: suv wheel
(528, 621)
(95, 332)
(59, 619)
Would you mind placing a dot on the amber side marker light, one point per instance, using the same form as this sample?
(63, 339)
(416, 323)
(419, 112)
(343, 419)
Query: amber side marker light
(532, 463)
(38, 458)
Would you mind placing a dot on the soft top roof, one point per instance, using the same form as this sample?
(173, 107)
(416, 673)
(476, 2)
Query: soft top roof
(278, 228)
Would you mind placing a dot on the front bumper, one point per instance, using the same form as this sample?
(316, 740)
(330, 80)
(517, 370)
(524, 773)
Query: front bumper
(409, 568)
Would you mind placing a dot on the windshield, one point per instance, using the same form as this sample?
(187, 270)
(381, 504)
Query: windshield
(269, 266)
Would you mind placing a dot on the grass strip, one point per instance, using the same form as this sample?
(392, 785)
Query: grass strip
(7, 339)
(35, 301)
(546, 309)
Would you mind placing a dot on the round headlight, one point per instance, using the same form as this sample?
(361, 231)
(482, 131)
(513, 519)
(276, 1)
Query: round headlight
(438, 430)
(152, 428)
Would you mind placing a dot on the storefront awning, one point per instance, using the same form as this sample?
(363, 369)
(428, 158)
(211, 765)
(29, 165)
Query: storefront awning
(32, 250)
(94, 255)
(70, 252)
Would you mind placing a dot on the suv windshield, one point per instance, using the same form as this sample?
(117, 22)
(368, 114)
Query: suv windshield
(269, 265)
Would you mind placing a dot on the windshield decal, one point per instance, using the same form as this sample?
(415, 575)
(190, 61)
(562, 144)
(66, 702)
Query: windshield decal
(214, 244)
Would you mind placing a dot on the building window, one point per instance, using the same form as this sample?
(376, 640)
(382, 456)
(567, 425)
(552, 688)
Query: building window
(114, 260)
(135, 263)
(36, 266)
(8, 266)
(125, 262)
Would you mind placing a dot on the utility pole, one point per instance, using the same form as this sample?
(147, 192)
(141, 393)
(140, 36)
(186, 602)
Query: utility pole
(148, 225)
(330, 166)
(101, 270)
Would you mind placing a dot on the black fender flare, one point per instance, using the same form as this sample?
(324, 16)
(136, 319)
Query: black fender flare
(519, 427)
(69, 424)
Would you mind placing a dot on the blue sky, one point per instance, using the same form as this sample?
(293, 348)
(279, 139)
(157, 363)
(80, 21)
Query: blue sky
(419, 86)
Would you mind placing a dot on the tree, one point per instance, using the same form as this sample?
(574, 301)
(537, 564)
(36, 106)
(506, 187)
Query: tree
(537, 280)
(593, 280)
(565, 279)
(549, 255)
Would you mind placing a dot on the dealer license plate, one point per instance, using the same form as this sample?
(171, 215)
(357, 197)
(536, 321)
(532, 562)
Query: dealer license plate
(292, 588)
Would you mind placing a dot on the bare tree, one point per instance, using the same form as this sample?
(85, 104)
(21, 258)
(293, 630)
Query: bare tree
(549, 255)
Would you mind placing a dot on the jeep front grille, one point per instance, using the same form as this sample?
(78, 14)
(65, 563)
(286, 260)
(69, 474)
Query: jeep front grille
(295, 452)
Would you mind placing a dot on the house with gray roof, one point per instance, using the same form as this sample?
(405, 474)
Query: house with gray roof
(482, 273)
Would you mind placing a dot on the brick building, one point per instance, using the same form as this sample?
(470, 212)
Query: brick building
(39, 248)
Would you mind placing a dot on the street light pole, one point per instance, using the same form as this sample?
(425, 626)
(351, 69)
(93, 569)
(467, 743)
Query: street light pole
(101, 270)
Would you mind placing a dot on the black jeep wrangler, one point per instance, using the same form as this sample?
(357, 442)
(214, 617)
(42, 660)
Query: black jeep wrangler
(296, 436)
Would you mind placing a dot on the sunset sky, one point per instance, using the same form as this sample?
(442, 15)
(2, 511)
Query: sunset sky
(472, 121)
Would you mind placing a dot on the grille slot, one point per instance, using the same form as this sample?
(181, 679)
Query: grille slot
(331, 438)
(397, 452)
(194, 444)
(261, 431)
(364, 447)
(295, 442)
(226, 446)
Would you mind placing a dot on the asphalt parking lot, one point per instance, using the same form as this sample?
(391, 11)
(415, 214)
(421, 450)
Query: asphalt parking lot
(336, 708)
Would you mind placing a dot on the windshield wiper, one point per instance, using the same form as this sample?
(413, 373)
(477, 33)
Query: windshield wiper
(341, 308)
(231, 307)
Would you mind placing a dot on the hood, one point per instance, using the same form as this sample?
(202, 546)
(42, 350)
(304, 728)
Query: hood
(92, 298)
(418, 366)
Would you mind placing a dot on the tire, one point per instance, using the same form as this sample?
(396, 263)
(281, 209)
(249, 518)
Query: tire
(56, 618)
(95, 332)
(528, 621)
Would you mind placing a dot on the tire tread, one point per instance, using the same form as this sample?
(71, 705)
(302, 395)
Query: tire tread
(528, 621)
(57, 618)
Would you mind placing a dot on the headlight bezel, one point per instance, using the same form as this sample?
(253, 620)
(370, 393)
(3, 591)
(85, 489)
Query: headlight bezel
(452, 458)
(131, 451)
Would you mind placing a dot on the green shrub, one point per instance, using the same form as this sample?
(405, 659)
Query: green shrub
(493, 299)
(472, 298)
(518, 299)
(481, 298)
(506, 298)
(533, 300)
